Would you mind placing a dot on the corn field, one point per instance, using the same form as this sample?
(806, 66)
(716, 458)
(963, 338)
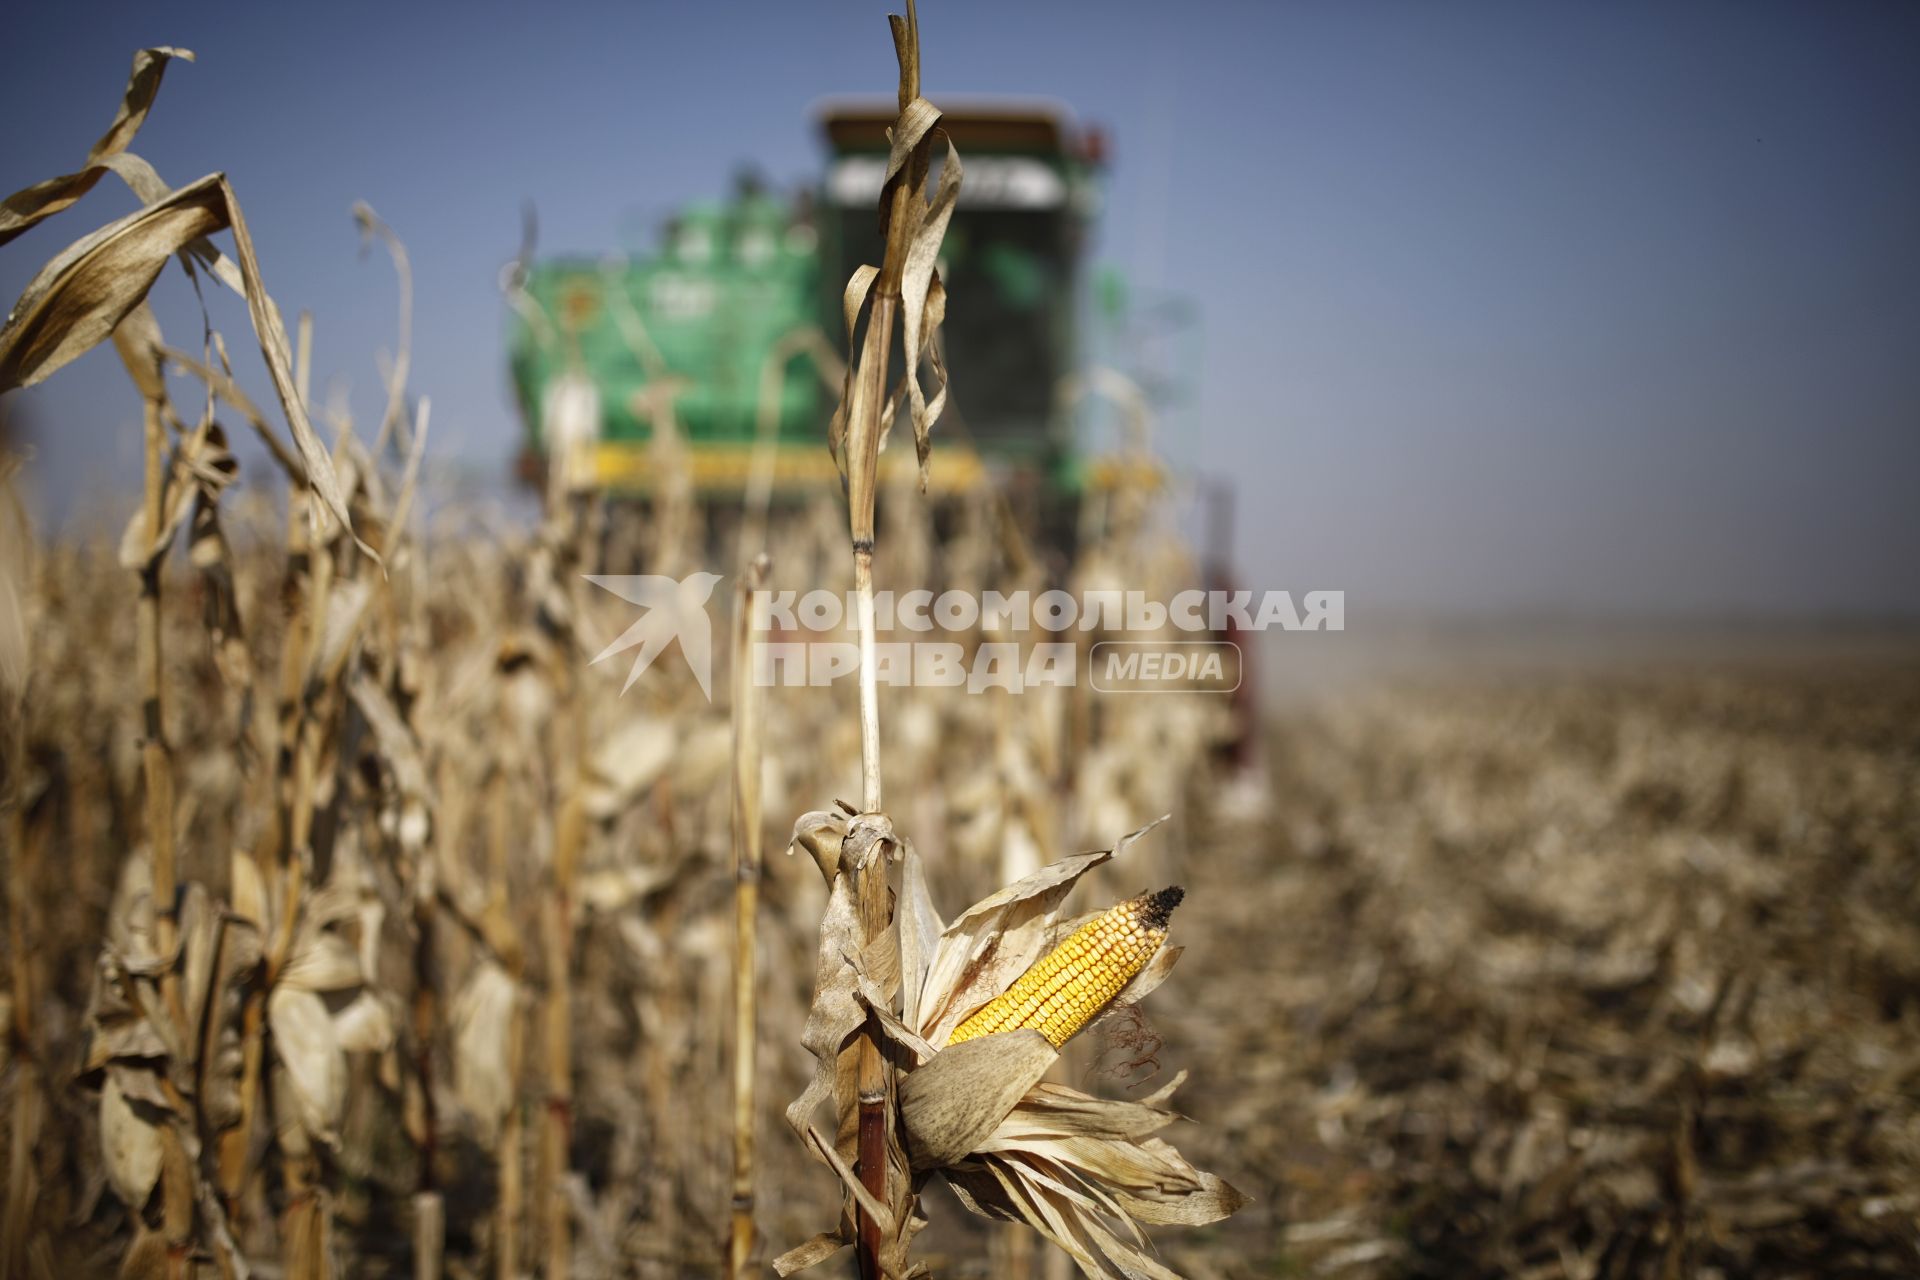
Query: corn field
(360, 922)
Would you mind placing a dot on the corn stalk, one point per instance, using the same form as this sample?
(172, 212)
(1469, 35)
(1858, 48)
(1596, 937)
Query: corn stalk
(748, 725)
(571, 538)
(500, 926)
(156, 760)
(903, 289)
(22, 877)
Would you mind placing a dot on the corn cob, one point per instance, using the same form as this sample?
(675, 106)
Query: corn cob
(1069, 985)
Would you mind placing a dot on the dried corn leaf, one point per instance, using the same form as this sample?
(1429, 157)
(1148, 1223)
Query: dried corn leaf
(838, 1012)
(305, 1042)
(613, 889)
(347, 608)
(1052, 1109)
(482, 1021)
(148, 1258)
(118, 1030)
(199, 931)
(1086, 1171)
(83, 294)
(371, 227)
(918, 925)
(852, 299)
(23, 209)
(820, 833)
(79, 297)
(202, 467)
(923, 299)
(129, 1143)
(248, 892)
(813, 1251)
(409, 807)
(953, 1103)
(142, 350)
(321, 961)
(365, 1025)
(629, 761)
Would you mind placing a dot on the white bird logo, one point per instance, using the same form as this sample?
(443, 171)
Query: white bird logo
(674, 609)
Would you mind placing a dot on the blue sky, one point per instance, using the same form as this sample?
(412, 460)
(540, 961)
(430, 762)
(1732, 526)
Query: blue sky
(1541, 307)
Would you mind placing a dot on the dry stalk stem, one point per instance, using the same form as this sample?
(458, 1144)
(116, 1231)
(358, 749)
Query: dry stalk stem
(429, 1234)
(874, 1079)
(157, 766)
(807, 341)
(863, 431)
(429, 1212)
(273, 853)
(317, 710)
(156, 760)
(748, 727)
(21, 881)
(500, 926)
(557, 1119)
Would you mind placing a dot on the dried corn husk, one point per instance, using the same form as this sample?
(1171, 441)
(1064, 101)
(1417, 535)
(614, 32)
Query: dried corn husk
(1083, 1171)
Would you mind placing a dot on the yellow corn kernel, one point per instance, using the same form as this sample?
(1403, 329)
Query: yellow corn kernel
(1069, 985)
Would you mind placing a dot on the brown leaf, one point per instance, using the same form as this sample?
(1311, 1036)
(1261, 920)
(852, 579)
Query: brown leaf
(307, 1045)
(398, 750)
(365, 1025)
(837, 1011)
(81, 296)
(141, 348)
(85, 291)
(948, 1106)
(23, 209)
(482, 1022)
(322, 961)
(811, 1252)
(859, 284)
(248, 891)
(919, 926)
(820, 834)
(129, 1146)
(923, 305)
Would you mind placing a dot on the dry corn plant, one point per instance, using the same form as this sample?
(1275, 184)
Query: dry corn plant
(905, 285)
(932, 1040)
(984, 1008)
(203, 1010)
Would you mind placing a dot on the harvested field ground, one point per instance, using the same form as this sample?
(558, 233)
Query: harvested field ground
(1591, 970)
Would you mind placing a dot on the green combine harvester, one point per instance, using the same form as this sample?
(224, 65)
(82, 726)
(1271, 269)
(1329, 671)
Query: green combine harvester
(733, 334)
